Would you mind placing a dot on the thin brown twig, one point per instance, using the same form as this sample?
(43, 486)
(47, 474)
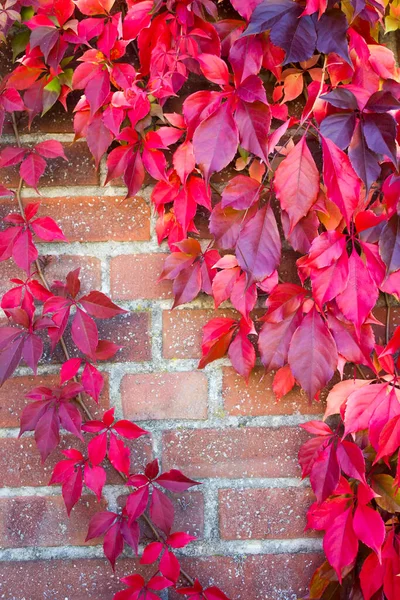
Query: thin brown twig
(79, 399)
(387, 325)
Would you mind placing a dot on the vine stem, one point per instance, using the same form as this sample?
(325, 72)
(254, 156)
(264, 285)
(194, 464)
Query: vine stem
(79, 398)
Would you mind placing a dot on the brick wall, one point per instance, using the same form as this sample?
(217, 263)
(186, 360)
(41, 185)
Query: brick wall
(249, 514)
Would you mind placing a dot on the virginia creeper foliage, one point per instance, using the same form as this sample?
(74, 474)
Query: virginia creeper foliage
(322, 180)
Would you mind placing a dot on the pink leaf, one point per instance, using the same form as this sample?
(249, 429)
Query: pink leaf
(297, 182)
(32, 168)
(215, 141)
(50, 149)
(84, 333)
(312, 354)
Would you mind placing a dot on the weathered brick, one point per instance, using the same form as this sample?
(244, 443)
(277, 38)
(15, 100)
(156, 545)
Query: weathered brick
(271, 513)
(235, 453)
(42, 521)
(263, 577)
(135, 277)
(279, 576)
(79, 170)
(182, 331)
(57, 267)
(164, 396)
(94, 219)
(257, 398)
(77, 579)
(13, 401)
(20, 463)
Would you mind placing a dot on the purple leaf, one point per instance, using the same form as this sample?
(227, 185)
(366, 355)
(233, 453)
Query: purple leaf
(331, 33)
(380, 134)
(339, 128)
(295, 35)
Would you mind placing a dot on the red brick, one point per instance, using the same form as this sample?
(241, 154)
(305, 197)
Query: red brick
(57, 267)
(131, 331)
(13, 401)
(257, 398)
(142, 282)
(394, 321)
(264, 577)
(20, 463)
(165, 396)
(236, 453)
(94, 219)
(182, 331)
(79, 170)
(223, 571)
(279, 576)
(43, 521)
(259, 514)
(77, 579)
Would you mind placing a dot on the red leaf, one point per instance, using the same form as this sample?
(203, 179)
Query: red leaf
(32, 168)
(113, 544)
(70, 418)
(312, 354)
(119, 455)
(24, 251)
(47, 229)
(50, 149)
(215, 141)
(241, 193)
(325, 473)
(369, 527)
(84, 333)
(258, 249)
(179, 539)
(187, 284)
(99, 524)
(342, 184)
(69, 369)
(283, 382)
(253, 120)
(340, 542)
(47, 433)
(95, 479)
(241, 351)
(371, 576)
(214, 68)
(361, 293)
(169, 566)
(151, 553)
(351, 460)
(97, 448)
(297, 182)
(136, 502)
(129, 430)
(98, 305)
(161, 511)
(72, 490)
(175, 481)
(92, 381)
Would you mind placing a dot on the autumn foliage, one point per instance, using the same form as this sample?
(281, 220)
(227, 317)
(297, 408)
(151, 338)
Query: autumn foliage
(321, 179)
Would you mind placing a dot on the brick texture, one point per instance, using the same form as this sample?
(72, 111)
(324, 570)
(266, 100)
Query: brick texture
(164, 396)
(40, 521)
(142, 283)
(235, 453)
(95, 219)
(263, 513)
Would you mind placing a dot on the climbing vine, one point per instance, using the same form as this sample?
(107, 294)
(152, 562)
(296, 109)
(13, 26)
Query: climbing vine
(297, 108)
